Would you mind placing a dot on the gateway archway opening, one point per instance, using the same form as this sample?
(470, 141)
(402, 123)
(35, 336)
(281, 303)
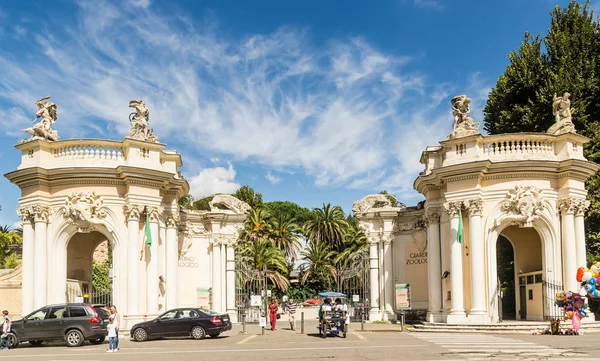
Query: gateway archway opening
(505, 255)
(89, 269)
(524, 291)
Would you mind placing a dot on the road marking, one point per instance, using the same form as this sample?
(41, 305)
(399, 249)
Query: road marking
(246, 339)
(241, 350)
(361, 337)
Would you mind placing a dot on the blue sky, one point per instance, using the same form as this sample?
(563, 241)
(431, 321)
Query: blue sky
(308, 101)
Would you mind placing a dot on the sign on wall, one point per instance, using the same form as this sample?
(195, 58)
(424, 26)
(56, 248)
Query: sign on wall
(255, 300)
(203, 297)
(402, 296)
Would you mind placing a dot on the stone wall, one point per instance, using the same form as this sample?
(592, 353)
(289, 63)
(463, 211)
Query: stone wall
(10, 291)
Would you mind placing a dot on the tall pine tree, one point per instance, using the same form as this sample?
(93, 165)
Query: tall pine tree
(567, 59)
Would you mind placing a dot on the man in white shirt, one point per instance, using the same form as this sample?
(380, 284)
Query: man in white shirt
(5, 330)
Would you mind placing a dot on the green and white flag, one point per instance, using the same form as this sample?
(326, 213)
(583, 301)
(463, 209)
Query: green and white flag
(459, 236)
(148, 233)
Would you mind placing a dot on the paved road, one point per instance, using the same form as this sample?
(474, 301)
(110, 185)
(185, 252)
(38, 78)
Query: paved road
(290, 346)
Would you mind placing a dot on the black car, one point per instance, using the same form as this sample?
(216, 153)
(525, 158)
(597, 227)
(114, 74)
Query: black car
(194, 322)
(72, 322)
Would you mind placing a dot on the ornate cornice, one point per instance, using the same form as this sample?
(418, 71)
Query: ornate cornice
(132, 211)
(461, 178)
(452, 208)
(474, 206)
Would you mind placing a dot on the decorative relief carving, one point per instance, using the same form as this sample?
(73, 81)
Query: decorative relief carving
(453, 208)
(225, 202)
(171, 221)
(26, 214)
(387, 239)
(216, 242)
(373, 239)
(84, 210)
(432, 215)
(524, 205)
(132, 211)
(402, 227)
(474, 206)
(420, 239)
(583, 205)
(567, 205)
(154, 213)
(372, 202)
(41, 213)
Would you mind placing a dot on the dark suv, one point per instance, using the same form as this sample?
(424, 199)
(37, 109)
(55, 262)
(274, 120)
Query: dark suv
(72, 322)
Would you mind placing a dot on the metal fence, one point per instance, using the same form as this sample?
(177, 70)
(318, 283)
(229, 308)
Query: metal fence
(248, 282)
(354, 282)
(75, 295)
(549, 290)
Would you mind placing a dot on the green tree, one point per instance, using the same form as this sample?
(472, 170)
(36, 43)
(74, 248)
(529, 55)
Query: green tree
(327, 224)
(247, 194)
(319, 259)
(186, 201)
(286, 235)
(10, 243)
(567, 59)
(202, 204)
(101, 276)
(262, 254)
(288, 210)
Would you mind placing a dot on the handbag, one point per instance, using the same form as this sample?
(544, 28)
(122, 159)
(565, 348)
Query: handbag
(278, 316)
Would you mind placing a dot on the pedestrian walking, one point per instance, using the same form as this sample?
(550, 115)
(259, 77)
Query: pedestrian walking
(291, 310)
(114, 312)
(273, 313)
(6, 327)
(112, 333)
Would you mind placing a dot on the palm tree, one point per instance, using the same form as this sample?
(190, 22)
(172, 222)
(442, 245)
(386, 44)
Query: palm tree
(327, 224)
(257, 225)
(319, 257)
(263, 255)
(286, 236)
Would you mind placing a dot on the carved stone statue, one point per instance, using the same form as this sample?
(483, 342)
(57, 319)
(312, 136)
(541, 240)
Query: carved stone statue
(563, 121)
(373, 201)
(222, 202)
(47, 114)
(140, 128)
(463, 123)
(84, 209)
(524, 205)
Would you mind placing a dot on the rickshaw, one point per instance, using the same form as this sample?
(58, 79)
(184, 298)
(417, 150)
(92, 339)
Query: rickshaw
(333, 320)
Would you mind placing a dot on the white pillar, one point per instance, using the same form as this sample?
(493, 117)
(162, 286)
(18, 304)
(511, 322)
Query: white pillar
(40, 289)
(434, 266)
(172, 259)
(152, 293)
(216, 281)
(582, 206)
(230, 278)
(375, 312)
(567, 209)
(132, 213)
(457, 312)
(28, 262)
(389, 281)
(478, 310)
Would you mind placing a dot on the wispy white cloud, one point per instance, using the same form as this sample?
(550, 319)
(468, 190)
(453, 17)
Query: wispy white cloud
(213, 180)
(347, 114)
(273, 179)
(430, 4)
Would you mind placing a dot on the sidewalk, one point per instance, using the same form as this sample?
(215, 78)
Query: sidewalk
(311, 326)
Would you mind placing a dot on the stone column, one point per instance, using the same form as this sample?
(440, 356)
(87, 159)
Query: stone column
(152, 293)
(375, 312)
(389, 281)
(457, 312)
(40, 273)
(216, 275)
(230, 279)
(132, 214)
(434, 265)
(567, 209)
(580, 252)
(478, 310)
(172, 258)
(27, 275)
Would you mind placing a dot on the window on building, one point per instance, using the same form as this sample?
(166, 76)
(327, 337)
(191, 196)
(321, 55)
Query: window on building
(531, 294)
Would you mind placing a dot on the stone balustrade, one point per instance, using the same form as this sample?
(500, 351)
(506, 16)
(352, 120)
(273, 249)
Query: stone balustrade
(89, 149)
(505, 148)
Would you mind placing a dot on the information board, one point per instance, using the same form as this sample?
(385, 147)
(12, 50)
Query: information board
(402, 296)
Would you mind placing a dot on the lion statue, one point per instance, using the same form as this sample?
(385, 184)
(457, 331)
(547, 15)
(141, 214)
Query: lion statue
(222, 202)
(374, 201)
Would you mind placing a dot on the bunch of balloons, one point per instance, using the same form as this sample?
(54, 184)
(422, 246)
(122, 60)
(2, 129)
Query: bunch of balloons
(574, 306)
(589, 278)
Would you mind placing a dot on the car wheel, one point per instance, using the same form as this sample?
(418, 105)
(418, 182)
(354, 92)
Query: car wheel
(140, 335)
(74, 338)
(36, 343)
(198, 333)
(98, 341)
(12, 341)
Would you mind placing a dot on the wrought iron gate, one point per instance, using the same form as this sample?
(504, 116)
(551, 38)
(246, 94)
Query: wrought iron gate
(549, 290)
(354, 281)
(248, 282)
(78, 295)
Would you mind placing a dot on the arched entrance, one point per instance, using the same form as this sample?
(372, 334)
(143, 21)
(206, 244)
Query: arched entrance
(89, 268)
(526, 287)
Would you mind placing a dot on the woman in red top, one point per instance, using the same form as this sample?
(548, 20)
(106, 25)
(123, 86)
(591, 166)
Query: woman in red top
(273, 308)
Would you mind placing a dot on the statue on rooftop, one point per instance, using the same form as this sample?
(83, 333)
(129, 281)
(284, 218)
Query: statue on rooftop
(463, 123)
(140, 128)
(47, 114)
(563, 121)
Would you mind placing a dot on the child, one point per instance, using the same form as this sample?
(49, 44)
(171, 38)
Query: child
(112, 334)
(5, 330)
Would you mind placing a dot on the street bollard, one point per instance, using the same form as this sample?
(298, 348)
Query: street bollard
(302, 322)
(244, 323)
(362, 320)
(402, 320)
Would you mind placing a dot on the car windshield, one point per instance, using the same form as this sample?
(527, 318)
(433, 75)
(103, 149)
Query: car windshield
(102, 311)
